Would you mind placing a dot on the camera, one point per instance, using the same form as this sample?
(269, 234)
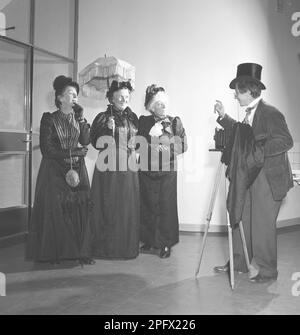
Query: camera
(221, 138)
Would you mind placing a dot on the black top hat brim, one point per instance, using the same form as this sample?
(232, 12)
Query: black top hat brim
(250, 71)
(235, 80)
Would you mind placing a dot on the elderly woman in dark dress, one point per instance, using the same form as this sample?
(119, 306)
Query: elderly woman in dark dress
(60, 223)
(158, 186)
(115, 187)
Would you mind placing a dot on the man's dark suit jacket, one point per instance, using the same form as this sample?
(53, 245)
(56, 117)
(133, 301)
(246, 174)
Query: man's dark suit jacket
(270, 125)
(244, 158)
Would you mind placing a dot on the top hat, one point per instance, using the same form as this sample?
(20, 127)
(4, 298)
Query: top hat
(248, 71)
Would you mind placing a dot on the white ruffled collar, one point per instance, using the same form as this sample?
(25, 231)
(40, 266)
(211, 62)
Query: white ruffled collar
(158, 128)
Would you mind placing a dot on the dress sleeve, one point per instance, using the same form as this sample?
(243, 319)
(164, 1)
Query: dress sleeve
(84, 137)
(48, 145)
(226, 122)
(279, 139)
(135, 121)
(141, 125)
(180, 143)
(99, 128)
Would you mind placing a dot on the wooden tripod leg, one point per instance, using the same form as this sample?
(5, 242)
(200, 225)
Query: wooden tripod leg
(210, 211)
(244, 245)
(202, 248)
(230, 246)
(231, 264)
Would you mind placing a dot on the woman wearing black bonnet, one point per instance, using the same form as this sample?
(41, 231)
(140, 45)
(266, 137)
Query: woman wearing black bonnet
(115, 188)
(60, 225)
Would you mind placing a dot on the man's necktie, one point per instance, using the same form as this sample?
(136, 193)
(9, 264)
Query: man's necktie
(247, 116)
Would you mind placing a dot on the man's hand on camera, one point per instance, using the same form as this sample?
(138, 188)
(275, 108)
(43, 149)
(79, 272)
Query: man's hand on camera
(219, 108)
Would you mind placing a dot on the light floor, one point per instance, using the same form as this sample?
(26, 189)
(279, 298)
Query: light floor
(150, 285)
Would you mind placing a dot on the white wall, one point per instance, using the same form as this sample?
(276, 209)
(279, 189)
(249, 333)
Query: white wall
(192, 48)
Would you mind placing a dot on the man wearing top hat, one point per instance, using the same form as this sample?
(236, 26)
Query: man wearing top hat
(265, 195)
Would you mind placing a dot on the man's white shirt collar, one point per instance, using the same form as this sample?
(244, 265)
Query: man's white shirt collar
(253, 103)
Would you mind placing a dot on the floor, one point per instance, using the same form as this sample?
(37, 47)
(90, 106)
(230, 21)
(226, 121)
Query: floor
(149, 285)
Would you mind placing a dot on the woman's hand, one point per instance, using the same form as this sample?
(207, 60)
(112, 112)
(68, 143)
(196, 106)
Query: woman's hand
(219, 108)
(78, 110)
(81, 152)
(111, 122)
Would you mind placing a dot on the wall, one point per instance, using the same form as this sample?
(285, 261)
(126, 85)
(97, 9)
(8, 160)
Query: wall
(192, 48)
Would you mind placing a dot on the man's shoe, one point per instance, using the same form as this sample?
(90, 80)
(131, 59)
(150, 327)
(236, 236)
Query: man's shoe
(259, 279)
(221, 268)
(165, 252)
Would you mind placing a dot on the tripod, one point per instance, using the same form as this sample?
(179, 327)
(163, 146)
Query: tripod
(208, 219)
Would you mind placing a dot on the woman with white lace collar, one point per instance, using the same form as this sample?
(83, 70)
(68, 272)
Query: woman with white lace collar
(158, 183)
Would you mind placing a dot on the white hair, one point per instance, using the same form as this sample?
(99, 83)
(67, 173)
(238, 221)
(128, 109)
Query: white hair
(159, 96)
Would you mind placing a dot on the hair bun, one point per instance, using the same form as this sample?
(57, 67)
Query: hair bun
(60, 82)
(151, 91)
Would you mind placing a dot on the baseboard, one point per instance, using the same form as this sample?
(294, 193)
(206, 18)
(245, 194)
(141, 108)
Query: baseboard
(200, 228)
(282, 226)
(11, 240)
(285, 226)
(13, 221)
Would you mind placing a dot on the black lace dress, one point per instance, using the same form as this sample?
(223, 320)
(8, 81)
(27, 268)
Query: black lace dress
(60, 226)
(115, 189)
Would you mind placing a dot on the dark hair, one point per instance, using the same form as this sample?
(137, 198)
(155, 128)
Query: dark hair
(59, 85)
(116, 86)
(151, 91)
(247, 84)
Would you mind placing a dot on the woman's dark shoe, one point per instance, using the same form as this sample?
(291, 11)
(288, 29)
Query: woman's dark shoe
(165, 252)
(146, 248)
(86, 261)
(90, 261)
